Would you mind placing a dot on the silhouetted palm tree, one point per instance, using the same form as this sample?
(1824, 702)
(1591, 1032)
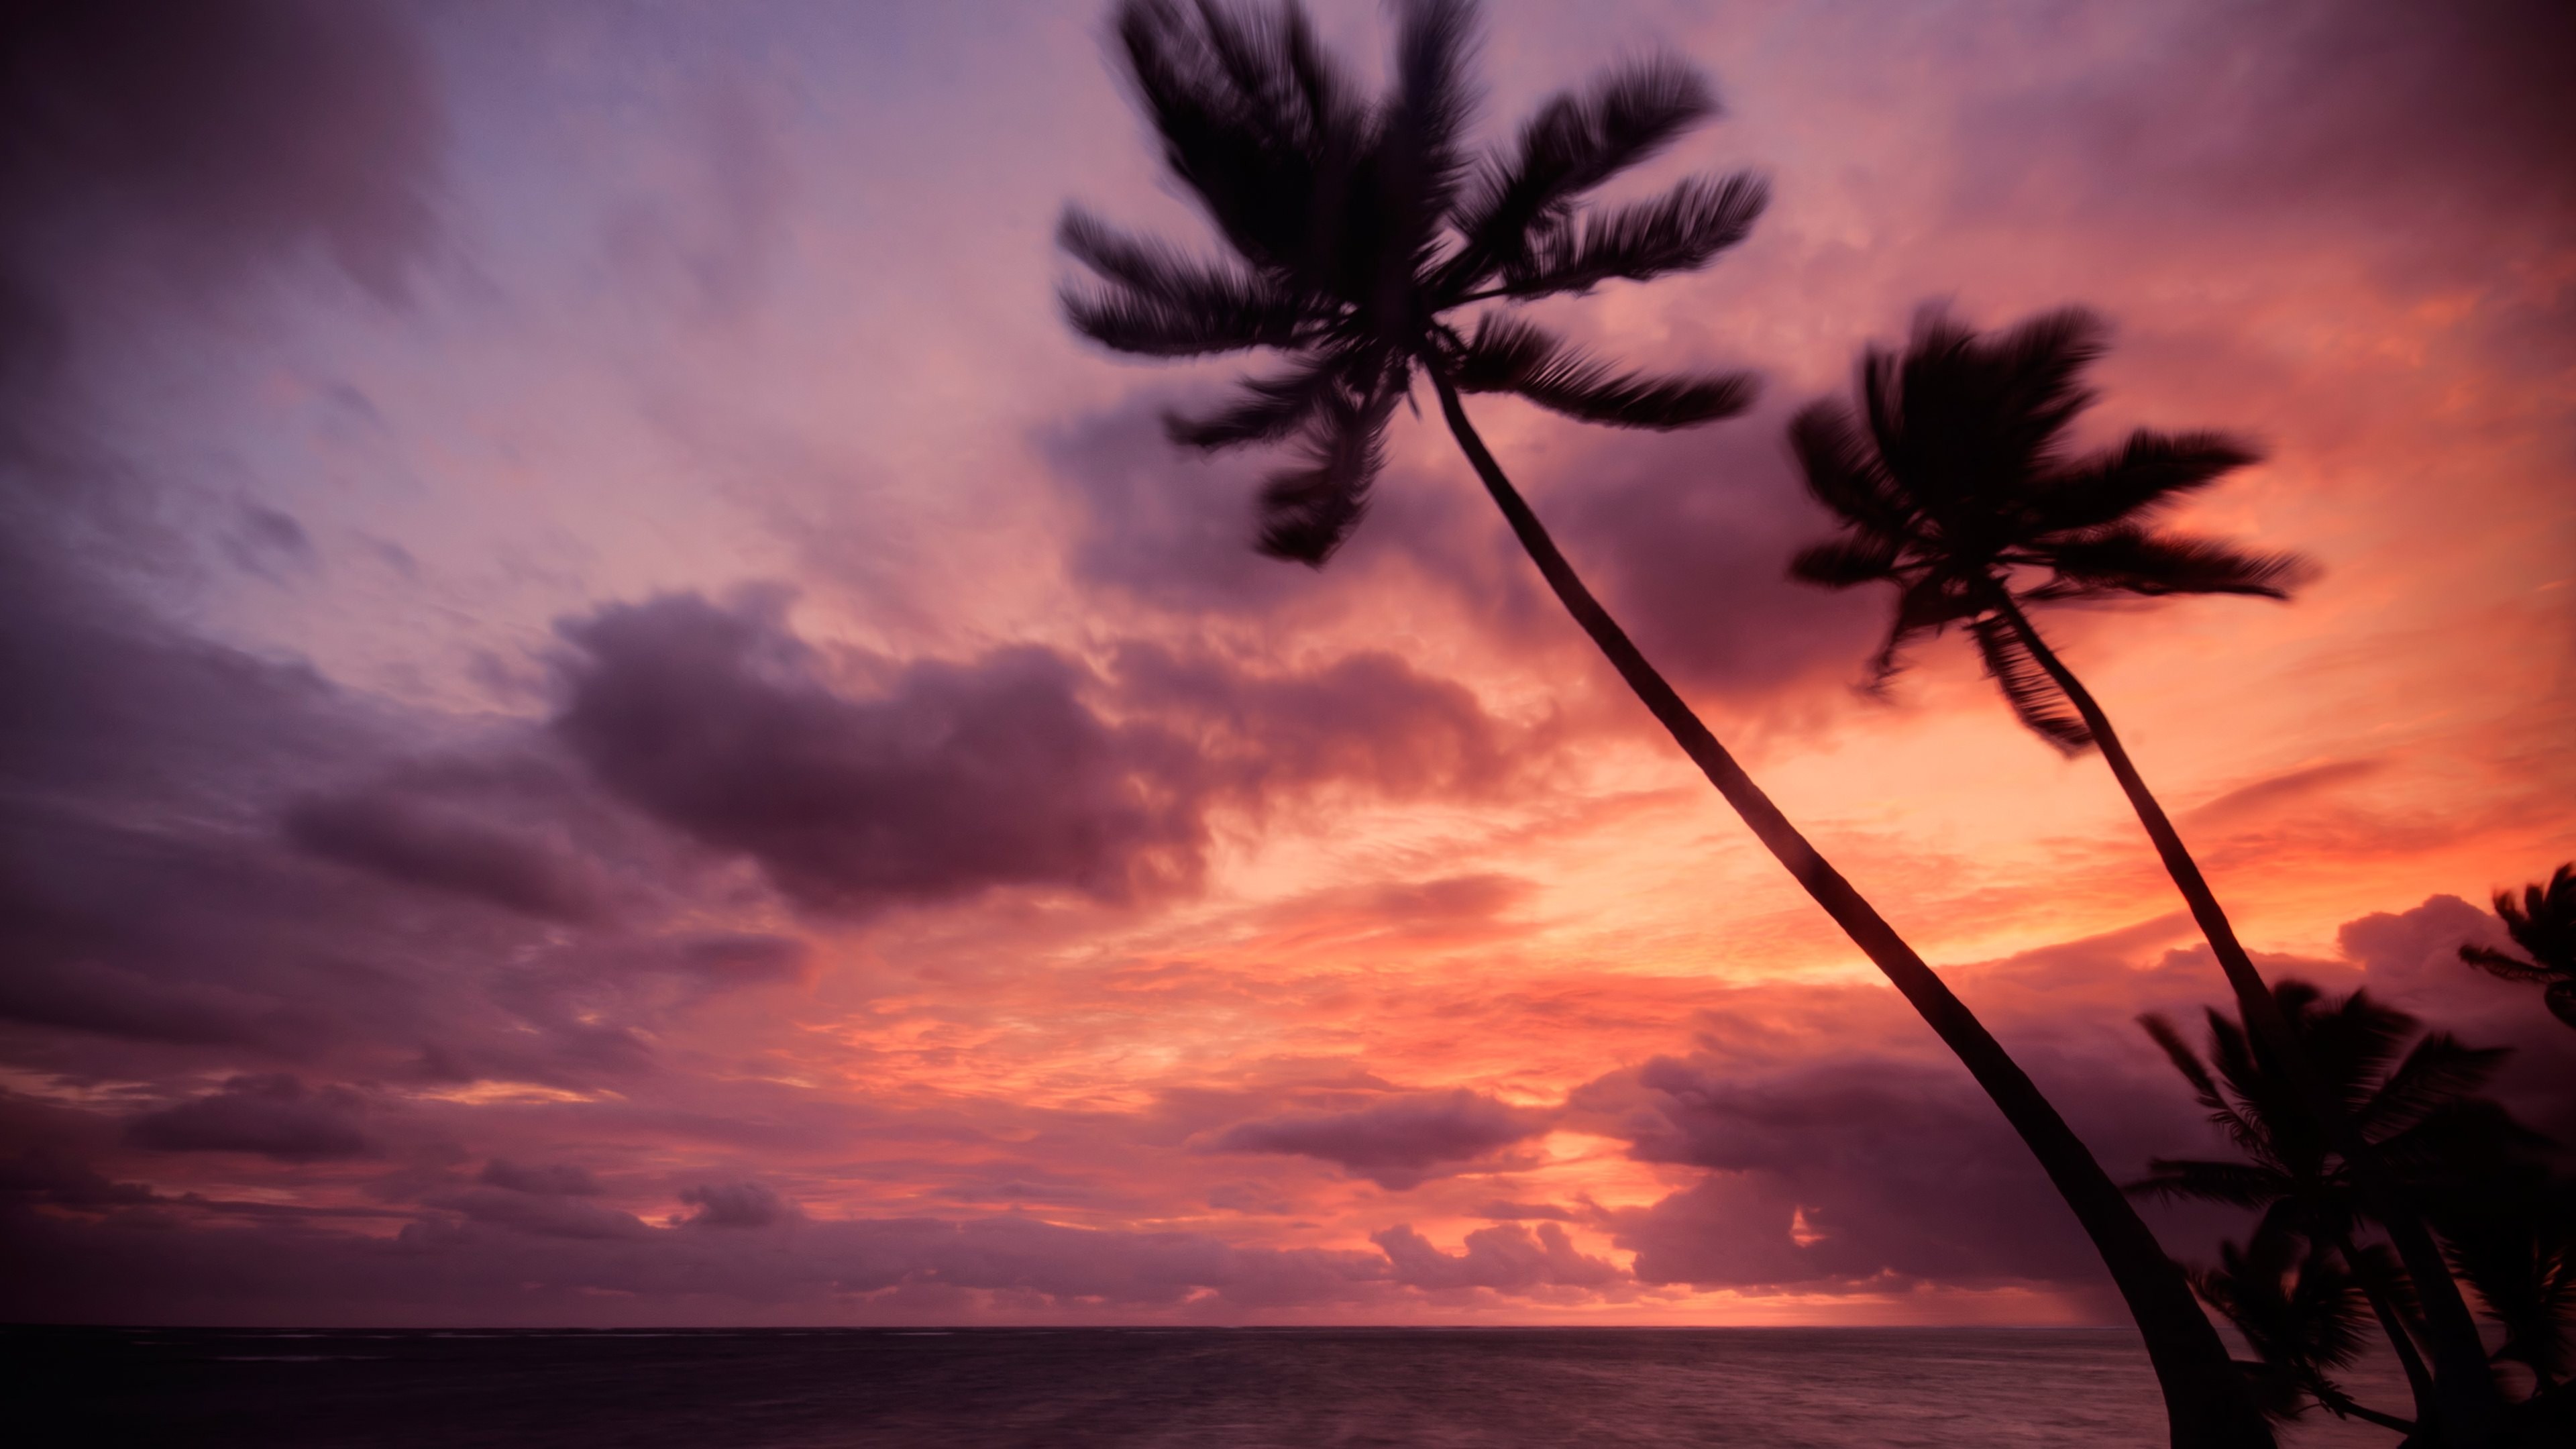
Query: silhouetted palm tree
(2544, 926)
(2420, 1111)
(1954, 483)
(1359, 231)
(2302, 1313)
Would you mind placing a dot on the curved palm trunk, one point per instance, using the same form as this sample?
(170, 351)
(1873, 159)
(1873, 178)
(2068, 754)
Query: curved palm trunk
(2472, 1413)
(2419, 1380)
(2206, 1402)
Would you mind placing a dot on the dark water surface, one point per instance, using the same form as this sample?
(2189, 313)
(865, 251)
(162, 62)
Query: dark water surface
(1166, 1388)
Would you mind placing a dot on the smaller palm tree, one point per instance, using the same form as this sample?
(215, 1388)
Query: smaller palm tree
(1954, 482)
(2417, 1106)
(2303, 1313)
(2543, 924)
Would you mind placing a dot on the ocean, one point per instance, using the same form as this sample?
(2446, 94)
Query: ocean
(1074, 1388)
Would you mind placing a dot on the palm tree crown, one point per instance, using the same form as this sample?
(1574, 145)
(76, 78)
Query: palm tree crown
(1954, 483)
(2414, 1105)
(1358, 226)
(2543, 924)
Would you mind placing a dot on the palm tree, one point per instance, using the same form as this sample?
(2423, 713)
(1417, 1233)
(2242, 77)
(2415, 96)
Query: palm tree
(2419, 1111)
(1954, 484)
(2301, 1312)
(1359, 232)
(2544, 926)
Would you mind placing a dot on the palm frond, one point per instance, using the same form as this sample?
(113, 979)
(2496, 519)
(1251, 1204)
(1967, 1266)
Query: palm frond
(2037, 369)
(1577, 141)
(2145, 473)
(1255, 120)
(1926, 605)
(2237, 1184)
(2204, 1088)
(2544, 924)
(1307, 512)
(2506, 964)
(1423, 167)
(2035, 698)
(2131, 560)
(1507, 354)
(2438, 1072)
(1265, 410)
(1160, 302)
(1676, 232)
(1842, 563)
(1845, 473)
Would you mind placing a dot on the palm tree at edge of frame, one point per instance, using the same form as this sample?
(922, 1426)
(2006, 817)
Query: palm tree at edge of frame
(1954, 484)
(2543, 924)
(2416, 1104)
(1355, 228)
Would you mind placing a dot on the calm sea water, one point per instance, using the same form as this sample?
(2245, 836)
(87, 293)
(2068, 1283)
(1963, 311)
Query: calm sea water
(1063, 1389)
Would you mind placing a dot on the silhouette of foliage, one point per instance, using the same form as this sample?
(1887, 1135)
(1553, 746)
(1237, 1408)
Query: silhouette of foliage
(2508, 1226)
(2543, 924)
(1953, 482)
(1358, 226)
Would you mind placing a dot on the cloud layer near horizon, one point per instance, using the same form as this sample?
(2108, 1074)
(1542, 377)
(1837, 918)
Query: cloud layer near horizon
(608, 723)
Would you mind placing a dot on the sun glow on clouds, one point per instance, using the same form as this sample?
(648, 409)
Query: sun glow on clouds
(633, 733)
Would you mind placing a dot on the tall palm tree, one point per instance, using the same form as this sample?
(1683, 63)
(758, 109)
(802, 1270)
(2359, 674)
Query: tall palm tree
(1954, 483)
(2417, 1106)
(1359, 233)
(2544, 926)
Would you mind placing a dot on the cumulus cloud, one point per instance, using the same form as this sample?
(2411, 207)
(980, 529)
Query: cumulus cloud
(1506, 1257)
(1397, 1143)
(958, 777)
(1019, 768)
(275, 1116)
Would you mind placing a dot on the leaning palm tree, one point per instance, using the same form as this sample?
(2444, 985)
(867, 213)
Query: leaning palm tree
(1360, 232)
(2543, 924)
(1954, 483)
(2418, 1107)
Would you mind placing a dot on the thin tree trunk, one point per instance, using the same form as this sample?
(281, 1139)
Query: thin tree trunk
(2419, 1380)
(2472, 1413)
(2206, 1400)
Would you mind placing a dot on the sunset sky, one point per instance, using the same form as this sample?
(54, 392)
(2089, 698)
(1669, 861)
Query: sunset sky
(605, 719)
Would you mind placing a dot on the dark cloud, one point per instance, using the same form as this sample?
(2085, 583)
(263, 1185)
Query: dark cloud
(1859, 1172)
(1687, 538)
(218, 135)
(545, 1215)
(562, 1179)
(1396, 1143)
(1368, 719)
(274, 1116)
(745, 958)
(737, 1205)
(1507, 1257)
(424, 843)
(2352, 119)
(957, 777)
(1020, 768)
